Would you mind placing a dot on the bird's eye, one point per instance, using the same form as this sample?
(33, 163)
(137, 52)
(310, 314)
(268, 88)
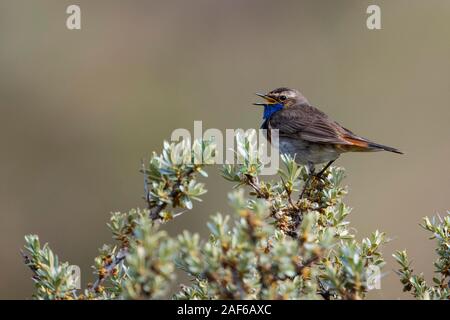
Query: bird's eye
(282, 98)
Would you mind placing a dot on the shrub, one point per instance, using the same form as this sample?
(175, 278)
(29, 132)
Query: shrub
(440, 230)
(287, 239)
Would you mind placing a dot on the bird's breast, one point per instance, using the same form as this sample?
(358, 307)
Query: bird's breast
(307, 152)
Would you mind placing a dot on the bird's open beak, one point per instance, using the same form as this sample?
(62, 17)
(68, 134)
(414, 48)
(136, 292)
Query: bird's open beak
(269, 100)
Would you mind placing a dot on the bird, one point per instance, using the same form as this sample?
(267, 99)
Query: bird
(306, 133)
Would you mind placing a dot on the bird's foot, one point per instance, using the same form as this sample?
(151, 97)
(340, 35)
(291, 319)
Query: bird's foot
(315, 180)
(325, 168)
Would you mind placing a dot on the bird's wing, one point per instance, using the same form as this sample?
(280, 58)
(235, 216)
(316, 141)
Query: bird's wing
(308, 123)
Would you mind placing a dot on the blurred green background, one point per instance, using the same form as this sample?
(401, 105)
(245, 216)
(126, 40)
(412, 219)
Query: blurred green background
(79, 109)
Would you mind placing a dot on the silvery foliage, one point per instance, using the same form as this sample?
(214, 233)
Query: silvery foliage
(274, 245)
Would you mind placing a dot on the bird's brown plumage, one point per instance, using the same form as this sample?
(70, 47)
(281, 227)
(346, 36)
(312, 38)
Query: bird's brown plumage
(299, 121)
(309, 123)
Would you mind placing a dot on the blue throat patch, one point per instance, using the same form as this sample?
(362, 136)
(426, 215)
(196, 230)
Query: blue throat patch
(270, 109)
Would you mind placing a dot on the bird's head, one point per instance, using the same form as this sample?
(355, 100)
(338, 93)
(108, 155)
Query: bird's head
(280, 98)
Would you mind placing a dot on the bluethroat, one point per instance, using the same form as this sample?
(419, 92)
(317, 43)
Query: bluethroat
(307, 133)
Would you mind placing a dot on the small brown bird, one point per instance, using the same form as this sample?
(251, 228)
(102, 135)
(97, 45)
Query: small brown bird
(307, 133)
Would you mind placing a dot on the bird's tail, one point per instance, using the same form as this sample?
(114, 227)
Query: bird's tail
(379, 147)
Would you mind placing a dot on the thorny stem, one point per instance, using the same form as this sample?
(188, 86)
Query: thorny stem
(305, 187)
(289, 193)
(326, 294)
(156, 210)
(254, 183)
(29, 264)
(109, 269)
(292, 209)
(154, 215)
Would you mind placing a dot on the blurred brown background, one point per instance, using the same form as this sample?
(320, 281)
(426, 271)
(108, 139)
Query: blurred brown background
(79, 109)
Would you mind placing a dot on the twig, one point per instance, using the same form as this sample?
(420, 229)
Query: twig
(154, 215)
(109, 269)
(256, 187)
(156, 210)
(288, 192)
(29, 263)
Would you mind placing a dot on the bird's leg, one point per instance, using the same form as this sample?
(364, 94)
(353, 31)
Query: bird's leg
(311, 174)
(319, 175)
